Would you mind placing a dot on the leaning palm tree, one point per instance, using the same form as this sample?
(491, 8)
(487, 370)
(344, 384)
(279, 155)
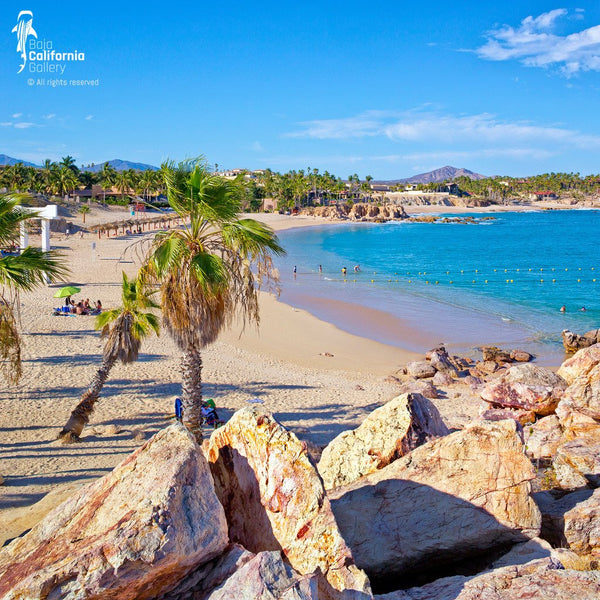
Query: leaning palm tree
(19, 273)
(124, 329)
(209, 270)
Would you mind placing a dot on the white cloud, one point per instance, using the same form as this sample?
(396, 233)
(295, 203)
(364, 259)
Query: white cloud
(17, 115)
(6, 124)
(535, 44)
(89, 117)
(24, 125)
(429, 126)
(50, 116)
(256, 147)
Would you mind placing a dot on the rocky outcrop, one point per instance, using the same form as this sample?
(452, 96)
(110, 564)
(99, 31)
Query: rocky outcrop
(359, 211)
(542, 438)
(131, 535)
(526, 387)
(387, 433)
(448, 500)
(537, 580)
(274, 500)
(573, 342)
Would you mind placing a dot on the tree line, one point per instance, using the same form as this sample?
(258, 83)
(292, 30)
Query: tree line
(293, 188)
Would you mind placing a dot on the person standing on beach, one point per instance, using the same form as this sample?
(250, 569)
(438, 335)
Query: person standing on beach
(344, 271)
(320, 268)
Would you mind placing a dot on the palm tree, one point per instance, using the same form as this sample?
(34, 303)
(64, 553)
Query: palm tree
(69, 163)
(84, 210)
(123, 183)
(124, 329)
(64, 181)
(19, 273)
(205, 270)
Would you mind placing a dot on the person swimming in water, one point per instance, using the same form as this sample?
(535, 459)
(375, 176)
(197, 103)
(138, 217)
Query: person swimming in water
(563, 308)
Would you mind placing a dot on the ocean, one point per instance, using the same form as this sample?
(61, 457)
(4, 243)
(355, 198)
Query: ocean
(501, 281)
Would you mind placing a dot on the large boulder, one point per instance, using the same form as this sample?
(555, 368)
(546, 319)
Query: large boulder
(274, 500)
(542, 438)
(579, 409)
(572, 521)
(131, 535)
(527, 387)
(580, 364)
(582, 526)
(448, 500)
(573, 342)
(537, 580)
(388, 433)
(577, 463)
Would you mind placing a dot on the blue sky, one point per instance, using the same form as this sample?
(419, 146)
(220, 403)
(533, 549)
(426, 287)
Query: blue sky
(388, 89)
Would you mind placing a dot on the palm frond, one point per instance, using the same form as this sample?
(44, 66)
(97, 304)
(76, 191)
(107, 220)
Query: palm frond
(27, 270)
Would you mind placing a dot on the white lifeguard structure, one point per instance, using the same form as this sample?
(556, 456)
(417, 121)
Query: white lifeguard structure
(45, 214)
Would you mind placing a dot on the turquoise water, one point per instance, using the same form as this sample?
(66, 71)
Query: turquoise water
(501, 281)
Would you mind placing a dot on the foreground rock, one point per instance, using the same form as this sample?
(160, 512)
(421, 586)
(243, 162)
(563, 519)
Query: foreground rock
(388, 433)
(526, 387)
(537, 580)
(574, 342)
(274, 500)
(131, 535)
(446, 501)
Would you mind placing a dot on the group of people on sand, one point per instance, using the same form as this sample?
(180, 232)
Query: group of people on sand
(83, 307)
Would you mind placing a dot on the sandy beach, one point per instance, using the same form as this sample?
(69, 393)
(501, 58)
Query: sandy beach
(315, 378)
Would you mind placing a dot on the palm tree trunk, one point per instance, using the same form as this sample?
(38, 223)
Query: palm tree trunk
(191, 396)
(81, 413)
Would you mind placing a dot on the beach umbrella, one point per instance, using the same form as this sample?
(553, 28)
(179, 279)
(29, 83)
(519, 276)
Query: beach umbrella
(68, 290)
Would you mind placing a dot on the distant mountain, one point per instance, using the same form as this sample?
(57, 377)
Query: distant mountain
(121, 165)
(9, 160)
(444, 174)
